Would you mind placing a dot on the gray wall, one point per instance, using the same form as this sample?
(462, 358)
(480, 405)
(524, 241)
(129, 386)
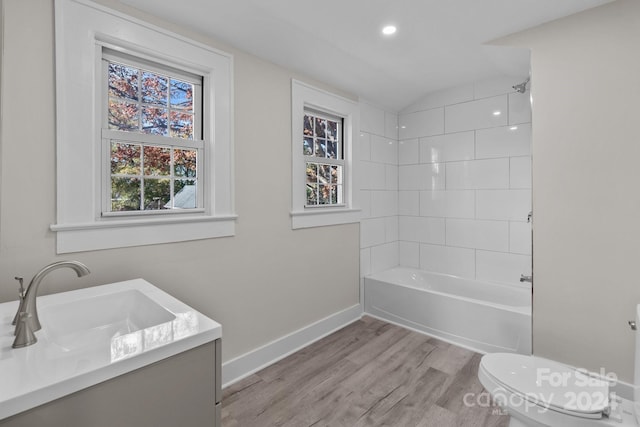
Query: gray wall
(263, 283)
(586, 201)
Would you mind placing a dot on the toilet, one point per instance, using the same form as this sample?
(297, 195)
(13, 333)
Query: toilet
(540, 392)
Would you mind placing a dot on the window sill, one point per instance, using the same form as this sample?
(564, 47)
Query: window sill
(126, 233)
(320, 217)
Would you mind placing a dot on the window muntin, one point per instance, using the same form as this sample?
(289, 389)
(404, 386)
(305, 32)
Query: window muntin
(145, 177)
(152, 127)
(322, 146)
(148, 102)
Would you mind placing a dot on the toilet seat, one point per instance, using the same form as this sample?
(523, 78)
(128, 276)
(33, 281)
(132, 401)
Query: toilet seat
(548, 384)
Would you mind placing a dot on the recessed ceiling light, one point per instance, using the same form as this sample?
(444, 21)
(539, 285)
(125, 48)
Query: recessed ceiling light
(497, 113)
(388, 30)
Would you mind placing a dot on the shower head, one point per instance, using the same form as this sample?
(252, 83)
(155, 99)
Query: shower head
(522, 87)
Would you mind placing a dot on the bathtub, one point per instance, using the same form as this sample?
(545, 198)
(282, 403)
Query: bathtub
(482, 316)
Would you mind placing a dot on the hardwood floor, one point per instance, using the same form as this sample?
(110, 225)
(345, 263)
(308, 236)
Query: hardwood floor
(370, 373)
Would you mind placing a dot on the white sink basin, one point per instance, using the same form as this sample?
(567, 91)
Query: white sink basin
(91, 335)
(102, 318)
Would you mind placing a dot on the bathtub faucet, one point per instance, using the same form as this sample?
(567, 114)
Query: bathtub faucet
(524, 278)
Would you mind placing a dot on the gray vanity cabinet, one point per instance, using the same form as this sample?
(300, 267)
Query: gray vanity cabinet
(182, 390)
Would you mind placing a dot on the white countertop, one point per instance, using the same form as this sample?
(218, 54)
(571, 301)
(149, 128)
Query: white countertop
(72, 354)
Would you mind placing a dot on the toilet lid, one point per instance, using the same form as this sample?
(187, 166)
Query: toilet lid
(549, 384)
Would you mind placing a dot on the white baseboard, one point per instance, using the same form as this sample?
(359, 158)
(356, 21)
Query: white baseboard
(245, 365)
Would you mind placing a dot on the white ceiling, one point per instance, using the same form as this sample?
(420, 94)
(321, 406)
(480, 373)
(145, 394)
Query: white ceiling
(439, 43)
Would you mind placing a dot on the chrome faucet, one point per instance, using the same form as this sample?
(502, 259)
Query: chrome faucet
(27, 311)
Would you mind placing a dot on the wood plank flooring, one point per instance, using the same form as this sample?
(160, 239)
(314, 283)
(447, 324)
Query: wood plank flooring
(370, 373)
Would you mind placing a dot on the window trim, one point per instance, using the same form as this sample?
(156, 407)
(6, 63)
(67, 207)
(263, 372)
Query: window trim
(303, 97)
(82, 28)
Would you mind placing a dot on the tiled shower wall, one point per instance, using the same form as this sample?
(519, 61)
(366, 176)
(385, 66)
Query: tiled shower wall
(379, 194)
(464, 181)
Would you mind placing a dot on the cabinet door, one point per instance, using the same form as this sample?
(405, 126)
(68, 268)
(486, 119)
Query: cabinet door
(178, 391)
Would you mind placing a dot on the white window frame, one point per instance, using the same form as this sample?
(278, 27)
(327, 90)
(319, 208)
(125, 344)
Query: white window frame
(339, 161)
(82, 29)
(138, 138)
(305, 96)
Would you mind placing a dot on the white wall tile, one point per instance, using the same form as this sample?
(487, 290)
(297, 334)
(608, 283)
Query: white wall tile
(365, 262)
(409, 203)
(384, 203)
(391, 229)
(411, 177)
(478, 234)
(365, 175)
(505, 141)
(365, 146)
(519, 108)
(433, 203)
(421, 123)
(505, 205)
(491, 235)
(478, 174)
(422, 177)
(502, 267)
(372, 232)
(391, 177)
(384, 150)
(520, 175)
(460, 232)
(448, 260)
(452, 204)
(373, 175)
(447, 148)
(384, 257)
(421, 229)
(476, 114)
(371, 119)
(390, 125)
(496, 86)
(408, 152)
(441, 98)
(365, 203)
(461, 204)
(520, 238)
(409, 254)
(410, 217)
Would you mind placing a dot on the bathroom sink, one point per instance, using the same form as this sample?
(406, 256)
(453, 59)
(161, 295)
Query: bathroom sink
(101, 319)
(91, 335)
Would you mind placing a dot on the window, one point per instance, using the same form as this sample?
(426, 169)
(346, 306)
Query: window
(324, 175)
(144, 133)
(324, 159)
(152, 127)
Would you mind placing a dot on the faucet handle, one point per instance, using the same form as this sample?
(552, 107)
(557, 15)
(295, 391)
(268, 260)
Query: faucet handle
(21, 294)
(24, 332)
(21, 289)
